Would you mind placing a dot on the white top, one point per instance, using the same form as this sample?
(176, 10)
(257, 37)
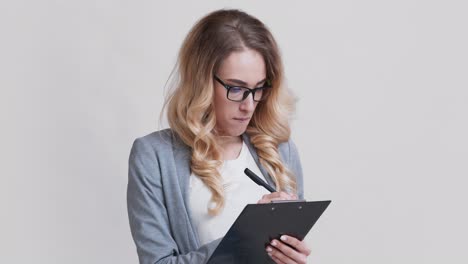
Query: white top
(240, 190)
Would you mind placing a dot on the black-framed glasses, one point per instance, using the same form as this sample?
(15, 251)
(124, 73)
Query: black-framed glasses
(239, 93)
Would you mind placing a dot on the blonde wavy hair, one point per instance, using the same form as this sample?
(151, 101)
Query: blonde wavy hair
(189, 105)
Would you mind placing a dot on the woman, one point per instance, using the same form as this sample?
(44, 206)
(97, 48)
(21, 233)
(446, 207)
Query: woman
(229, 111)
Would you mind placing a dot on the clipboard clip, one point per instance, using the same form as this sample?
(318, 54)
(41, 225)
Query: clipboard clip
(287, 201)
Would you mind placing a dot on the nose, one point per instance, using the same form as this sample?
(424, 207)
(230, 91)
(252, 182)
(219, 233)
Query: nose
(248, 105)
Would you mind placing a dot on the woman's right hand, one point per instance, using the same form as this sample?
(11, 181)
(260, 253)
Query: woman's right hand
(276, 196)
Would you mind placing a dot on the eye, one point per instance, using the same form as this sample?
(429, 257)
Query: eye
(235, 89)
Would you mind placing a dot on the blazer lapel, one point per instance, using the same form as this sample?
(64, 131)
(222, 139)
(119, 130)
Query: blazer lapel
(182, 156)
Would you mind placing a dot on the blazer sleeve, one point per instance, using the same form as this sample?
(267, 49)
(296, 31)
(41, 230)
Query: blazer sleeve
(149, 222)
(296, 167)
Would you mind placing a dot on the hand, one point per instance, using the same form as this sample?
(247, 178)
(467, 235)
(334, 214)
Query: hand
(267, 198)
(288, 250)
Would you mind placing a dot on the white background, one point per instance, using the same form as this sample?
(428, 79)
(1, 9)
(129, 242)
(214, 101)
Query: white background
(381, 122)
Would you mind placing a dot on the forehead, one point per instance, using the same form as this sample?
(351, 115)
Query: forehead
(247, 65)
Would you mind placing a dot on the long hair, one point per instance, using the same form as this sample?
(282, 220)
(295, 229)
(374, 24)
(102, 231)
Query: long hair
(189, 106)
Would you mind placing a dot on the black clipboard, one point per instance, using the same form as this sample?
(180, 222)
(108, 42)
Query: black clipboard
(258, 224)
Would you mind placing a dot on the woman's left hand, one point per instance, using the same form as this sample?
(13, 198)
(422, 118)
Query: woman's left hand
(288, 250)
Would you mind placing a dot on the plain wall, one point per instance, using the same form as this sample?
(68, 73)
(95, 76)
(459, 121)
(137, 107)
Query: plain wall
(381, 122)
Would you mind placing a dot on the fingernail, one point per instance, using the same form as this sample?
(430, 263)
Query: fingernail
(269, 254)
(273, 243)
(284, 238)
(269, 249)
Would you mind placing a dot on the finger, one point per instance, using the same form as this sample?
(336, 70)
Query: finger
(275, 197)
(276, 260)
(288, 252)
(281, 199)
(278, 256)
(286, 196)
(282, 195)
(265, 199)
(271, 195)
(299, 245)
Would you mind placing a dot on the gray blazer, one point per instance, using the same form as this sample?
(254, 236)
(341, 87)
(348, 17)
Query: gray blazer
(157, 197)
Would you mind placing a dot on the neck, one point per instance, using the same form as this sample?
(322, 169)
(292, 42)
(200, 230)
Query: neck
(228, 140)
(230, 146)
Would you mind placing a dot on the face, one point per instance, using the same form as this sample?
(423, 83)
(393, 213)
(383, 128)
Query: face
(245, 68)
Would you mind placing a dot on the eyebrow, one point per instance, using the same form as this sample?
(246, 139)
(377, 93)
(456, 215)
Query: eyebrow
(239, 82)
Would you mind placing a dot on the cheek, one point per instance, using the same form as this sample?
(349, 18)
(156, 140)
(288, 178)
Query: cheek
(220, 105)
(224, 111)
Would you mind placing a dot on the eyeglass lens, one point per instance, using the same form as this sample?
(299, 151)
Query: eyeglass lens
(240, 93)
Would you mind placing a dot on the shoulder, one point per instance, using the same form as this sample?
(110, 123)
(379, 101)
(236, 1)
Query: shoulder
(155, 143)
(156, 138)
(165, 138)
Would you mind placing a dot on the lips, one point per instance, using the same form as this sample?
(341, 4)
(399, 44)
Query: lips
(242, 119)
